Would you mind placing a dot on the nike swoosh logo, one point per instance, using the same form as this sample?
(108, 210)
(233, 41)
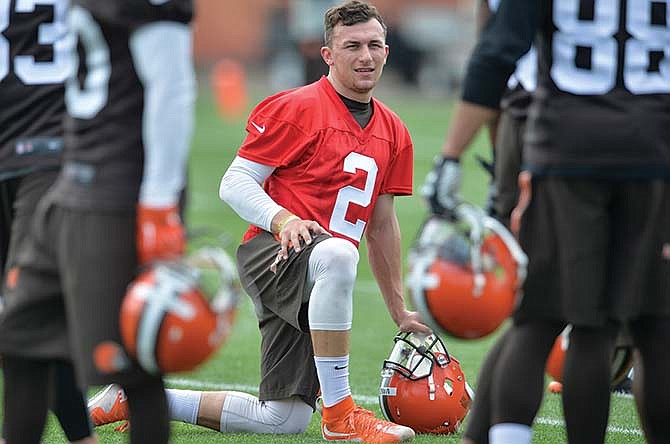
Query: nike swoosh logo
(341, 368)
(328, 434)
(261, 129)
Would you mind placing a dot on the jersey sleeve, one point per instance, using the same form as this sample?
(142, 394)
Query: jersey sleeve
(398, 179)
(272, 139)
(169, 100)
(507, 36)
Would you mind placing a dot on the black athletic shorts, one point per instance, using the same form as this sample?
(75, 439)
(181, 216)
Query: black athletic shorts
(597, 249)
(280, 302)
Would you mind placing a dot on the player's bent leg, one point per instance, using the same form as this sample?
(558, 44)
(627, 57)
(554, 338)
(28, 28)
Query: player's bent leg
(69, 406)
(331, 277)
(25, 379)
(330, 281)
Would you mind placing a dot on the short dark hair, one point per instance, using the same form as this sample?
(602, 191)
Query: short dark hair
(349, 13)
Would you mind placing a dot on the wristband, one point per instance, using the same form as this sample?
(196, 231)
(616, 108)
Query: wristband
(444, 159)
(284, 221)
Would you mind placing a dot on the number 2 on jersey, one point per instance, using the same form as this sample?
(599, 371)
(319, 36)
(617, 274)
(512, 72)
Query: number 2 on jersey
(350, 194)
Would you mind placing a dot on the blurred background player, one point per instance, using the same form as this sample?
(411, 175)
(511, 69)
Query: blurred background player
(506, 133)
(305, 24)
(33, 67)
(114, 206)
(572, 158)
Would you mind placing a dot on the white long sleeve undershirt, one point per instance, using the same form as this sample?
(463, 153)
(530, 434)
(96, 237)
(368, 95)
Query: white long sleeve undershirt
(241, 188)
(162, 56)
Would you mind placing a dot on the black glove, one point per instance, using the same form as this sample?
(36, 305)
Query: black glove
(443, 185)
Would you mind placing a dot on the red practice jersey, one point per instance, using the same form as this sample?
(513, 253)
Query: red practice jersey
(328, 168)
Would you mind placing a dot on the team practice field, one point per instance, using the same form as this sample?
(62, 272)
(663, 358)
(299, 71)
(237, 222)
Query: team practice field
(236, 365)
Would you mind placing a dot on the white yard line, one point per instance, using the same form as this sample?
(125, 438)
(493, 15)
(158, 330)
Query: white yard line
(364, 399)
(611, 429)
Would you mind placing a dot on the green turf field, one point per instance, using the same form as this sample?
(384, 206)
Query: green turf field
(236, 366)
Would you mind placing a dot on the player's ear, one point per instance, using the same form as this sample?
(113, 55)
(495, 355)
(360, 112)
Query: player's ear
(327, 55)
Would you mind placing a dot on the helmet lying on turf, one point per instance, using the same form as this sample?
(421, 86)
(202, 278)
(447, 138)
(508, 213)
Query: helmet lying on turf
(423, 387)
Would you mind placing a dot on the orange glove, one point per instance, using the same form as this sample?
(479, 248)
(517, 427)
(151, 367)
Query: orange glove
(160, 233)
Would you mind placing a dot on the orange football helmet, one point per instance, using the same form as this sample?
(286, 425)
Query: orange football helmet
(622, 358)
(166, 321)
(464, 274)
(423, 387)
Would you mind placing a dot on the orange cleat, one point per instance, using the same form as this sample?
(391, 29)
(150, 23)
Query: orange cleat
(555, 387)
(346, 422)
(109, 405)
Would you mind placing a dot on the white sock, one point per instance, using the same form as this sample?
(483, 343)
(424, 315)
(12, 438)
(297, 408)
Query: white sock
(183, 405)
(333, 375)
(510, 433)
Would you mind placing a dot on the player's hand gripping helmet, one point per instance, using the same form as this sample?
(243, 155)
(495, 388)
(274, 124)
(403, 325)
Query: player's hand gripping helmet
(464, 274)
(166, 321)
(622, 358)
(423, 387)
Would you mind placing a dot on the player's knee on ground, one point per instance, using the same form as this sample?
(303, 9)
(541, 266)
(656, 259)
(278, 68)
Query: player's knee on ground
(331, 278)
(244, 413)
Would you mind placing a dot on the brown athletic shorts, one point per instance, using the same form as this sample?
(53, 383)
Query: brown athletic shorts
(287, 356)
(64, 301)
(597, 249)
(19, 197)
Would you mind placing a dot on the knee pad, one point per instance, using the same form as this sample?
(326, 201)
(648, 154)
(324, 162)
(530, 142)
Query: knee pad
(330, 281)
(244, 413)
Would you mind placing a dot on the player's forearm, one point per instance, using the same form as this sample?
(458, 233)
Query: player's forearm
(384, 256)
(483, 15)
(468, 119)
(241, 189)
